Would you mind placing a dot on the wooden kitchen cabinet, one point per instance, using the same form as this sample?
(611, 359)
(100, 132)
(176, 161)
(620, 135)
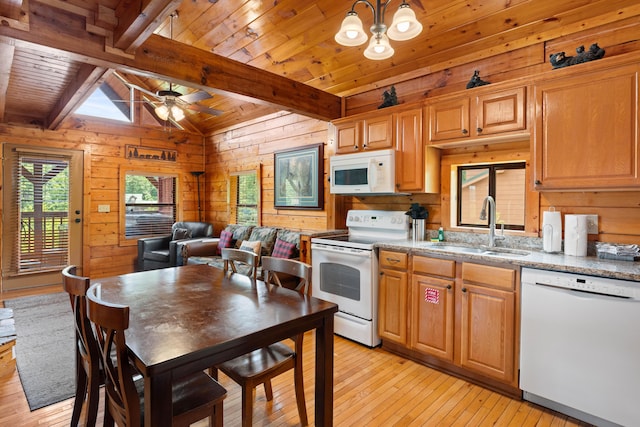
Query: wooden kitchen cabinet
(462, 316)
(487, 114)
(392, 296)
(354, 134)
(432, 306)
(488, 321)
(417, 167)
(587, 134)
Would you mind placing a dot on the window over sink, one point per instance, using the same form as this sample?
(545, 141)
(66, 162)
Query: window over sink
(505, 182)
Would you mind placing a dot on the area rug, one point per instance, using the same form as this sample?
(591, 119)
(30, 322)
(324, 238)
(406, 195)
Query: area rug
(44, 347)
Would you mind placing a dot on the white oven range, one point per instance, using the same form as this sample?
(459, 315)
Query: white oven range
(345, 270)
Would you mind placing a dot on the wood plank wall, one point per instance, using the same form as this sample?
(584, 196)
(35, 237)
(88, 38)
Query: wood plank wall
(104, 154)
(251, 146)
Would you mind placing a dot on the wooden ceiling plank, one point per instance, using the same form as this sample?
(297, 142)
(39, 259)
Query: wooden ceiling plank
(138, 19)
(173, 61)
(87, 80)
(579, 19)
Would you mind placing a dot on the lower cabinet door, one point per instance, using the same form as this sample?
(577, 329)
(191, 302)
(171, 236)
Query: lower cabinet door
(392, 306)
(432, 319)
(488, 331)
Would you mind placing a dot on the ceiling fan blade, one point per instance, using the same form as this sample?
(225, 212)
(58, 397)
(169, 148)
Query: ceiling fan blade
(203, 109)
(195, 96)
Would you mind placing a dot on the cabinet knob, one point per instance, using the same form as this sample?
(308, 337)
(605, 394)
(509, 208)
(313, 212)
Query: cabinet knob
(464, 289)
(448, 286)
(538, 182)
(364, 146)
(479, 130)
(355, 147)
(382, 273)
(464, 131)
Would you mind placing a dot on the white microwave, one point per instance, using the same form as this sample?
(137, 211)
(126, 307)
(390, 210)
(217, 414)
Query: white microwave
(369, 172)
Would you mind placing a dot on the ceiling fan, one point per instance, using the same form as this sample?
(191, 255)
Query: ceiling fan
(169, 105)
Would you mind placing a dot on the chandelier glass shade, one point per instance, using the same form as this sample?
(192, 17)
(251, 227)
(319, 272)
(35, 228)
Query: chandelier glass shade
(404, 26)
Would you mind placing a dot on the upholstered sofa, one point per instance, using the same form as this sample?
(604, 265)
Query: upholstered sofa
(166, 251)
(273, 241)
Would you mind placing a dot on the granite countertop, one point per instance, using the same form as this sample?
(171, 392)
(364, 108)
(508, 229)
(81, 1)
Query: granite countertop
(589, 265)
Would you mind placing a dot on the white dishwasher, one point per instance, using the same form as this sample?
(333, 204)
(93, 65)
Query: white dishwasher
(580, 346)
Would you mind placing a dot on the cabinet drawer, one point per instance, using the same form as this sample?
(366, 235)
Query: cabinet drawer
(504, 278)
(390, 259)
(434, 266)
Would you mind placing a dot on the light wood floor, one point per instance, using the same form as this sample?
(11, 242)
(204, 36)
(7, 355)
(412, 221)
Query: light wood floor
(371, 388)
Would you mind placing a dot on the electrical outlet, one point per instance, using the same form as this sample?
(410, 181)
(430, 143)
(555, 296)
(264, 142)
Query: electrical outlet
(104, 208)
(592, 224)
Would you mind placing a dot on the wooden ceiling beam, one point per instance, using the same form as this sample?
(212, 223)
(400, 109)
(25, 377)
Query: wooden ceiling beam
(138, 19)
(169, 60)
(6, 60)
(86, 81)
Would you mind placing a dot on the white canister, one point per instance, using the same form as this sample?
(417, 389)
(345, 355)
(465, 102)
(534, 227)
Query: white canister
(575, 235)
(551, 231)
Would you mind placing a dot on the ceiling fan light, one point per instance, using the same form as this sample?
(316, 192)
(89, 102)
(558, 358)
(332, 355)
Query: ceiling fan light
(177, 113)
(405, 26)
(162, 112)
(351, 32)
(379, 48)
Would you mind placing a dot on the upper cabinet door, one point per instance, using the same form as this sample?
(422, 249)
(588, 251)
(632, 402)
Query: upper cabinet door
(449, 120)
(500, 112)
(378, 133)
(348, 136)
(359, 134)
(587, 131)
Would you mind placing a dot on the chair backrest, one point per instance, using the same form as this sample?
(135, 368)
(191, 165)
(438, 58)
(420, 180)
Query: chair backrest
(198, 229)
(231, 256)
(76, 287)
(271, 266)
(110, 321)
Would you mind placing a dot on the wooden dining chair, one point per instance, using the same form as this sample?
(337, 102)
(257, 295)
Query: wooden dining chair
(195, 397)
(88, 372)
(231, 256)
(260, 366)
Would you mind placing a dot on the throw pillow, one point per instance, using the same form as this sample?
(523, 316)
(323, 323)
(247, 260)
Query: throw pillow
(226, 241)
(283, 249)
(181, 233)
(251, 246)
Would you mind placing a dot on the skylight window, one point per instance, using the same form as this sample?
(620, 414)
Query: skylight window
(99, 104)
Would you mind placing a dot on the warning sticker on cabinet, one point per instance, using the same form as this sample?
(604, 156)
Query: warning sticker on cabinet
(432, 295)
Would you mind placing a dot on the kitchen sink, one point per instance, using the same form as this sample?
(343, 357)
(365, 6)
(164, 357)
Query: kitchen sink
(482, 250)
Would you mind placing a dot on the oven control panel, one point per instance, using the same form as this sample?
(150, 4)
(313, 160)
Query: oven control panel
(375, 219)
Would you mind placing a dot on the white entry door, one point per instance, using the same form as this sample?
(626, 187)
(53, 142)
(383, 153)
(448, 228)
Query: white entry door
(41, 215)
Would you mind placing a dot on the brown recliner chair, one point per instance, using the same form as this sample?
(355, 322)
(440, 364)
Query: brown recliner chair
(163, 251)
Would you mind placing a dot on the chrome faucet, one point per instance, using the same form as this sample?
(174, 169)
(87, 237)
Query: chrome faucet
(492, 220)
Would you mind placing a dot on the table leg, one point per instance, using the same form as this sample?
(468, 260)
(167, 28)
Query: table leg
(324, 373)
(158, 408)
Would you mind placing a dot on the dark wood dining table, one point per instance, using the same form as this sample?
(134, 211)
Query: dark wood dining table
(187, 319)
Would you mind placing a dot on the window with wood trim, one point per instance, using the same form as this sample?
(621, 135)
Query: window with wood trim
(505, 182)
(150, 204)
(244, 197)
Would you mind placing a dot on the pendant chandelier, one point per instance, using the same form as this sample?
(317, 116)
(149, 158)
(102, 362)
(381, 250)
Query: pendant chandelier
(404, 26)
(169, 109)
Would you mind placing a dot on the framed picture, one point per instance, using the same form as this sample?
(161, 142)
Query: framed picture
(298, 174)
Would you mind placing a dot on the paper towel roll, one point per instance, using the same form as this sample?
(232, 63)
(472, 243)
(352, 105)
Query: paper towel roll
(551, 231)
(575, 235)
